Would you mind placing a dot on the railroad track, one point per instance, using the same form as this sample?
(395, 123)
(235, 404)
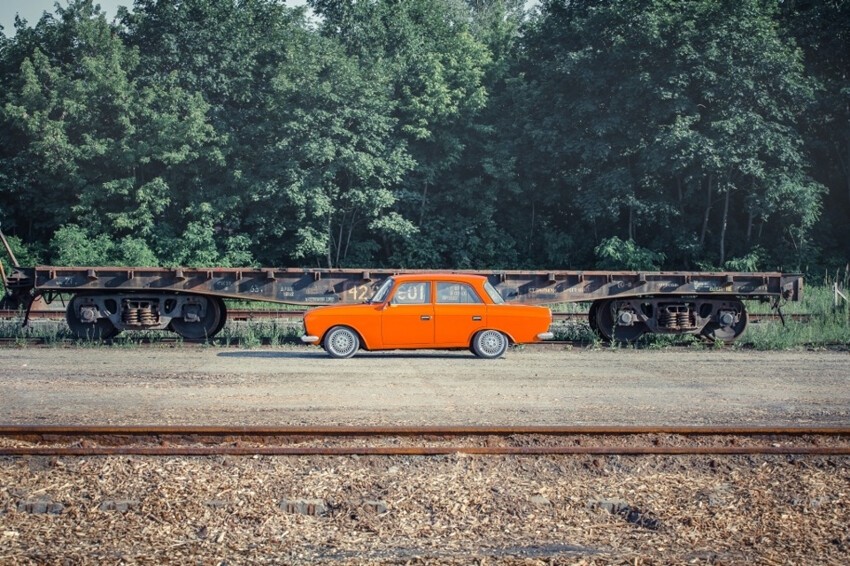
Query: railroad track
(255, 314)
(39, 440)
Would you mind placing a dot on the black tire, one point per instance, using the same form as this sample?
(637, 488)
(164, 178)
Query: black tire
(341, 342)
(489, 344)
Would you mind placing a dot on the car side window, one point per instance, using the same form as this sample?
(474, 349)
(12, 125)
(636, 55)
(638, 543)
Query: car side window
(413, 293)
(456, 293)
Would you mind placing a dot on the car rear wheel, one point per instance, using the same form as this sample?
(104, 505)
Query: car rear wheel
(341, 342)
(489, 344)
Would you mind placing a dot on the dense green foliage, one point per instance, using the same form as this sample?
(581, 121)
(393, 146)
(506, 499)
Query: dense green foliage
(639, 134)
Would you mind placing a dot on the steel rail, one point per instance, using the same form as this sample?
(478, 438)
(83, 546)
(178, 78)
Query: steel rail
(201, 433)
(176, 430)
(422, 450)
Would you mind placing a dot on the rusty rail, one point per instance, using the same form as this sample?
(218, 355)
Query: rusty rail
(81, 445)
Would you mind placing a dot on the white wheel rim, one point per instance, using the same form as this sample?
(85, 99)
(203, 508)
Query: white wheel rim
(341, 342)
(491, 343)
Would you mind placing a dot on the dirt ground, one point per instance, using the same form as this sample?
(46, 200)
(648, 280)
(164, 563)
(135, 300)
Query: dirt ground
(424, 510)
(299, 385)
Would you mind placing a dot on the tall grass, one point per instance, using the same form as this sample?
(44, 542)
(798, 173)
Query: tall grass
(828, 325)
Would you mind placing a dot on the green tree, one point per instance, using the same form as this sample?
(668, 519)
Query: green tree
(308, 155)
(436, 66)
(337, 160)
(822, 30)
(678, 117)
(95, 147)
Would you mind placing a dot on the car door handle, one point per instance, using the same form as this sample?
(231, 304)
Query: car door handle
(425, 317)
(476, 318)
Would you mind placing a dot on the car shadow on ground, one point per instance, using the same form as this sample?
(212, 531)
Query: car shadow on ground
(361, 355)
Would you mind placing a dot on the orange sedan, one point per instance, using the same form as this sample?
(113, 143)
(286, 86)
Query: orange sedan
(436, 310)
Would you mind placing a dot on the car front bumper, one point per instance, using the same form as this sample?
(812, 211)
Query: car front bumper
(545, 336)
(309, 339)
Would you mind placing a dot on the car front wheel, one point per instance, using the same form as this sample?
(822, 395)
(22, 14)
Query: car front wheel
(489, 344)
(341, 342)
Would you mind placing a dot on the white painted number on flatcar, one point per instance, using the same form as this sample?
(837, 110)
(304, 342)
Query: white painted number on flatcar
(358, 293)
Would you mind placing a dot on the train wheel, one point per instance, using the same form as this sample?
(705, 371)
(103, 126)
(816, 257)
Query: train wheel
(606, 323)
(99, 329)
(591, 316)
(205, 328)
(731, 323)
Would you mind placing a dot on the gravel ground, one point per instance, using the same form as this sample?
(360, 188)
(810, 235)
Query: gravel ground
(292, 386)
(422, 510)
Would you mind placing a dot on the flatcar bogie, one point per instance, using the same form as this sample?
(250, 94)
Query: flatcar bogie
(715, 318)
(104, 315)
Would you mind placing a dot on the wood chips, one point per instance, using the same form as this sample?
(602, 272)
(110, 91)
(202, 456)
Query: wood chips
(417, 510)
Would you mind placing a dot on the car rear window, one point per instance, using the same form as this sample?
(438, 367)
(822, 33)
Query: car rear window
(456, 293)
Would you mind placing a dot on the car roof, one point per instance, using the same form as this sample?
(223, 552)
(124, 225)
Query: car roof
(440, 276)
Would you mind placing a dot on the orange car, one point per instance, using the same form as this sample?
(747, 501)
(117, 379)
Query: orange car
(436, 310)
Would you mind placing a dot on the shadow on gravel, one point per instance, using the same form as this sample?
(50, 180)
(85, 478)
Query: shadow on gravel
(255, 354)
(361, 355)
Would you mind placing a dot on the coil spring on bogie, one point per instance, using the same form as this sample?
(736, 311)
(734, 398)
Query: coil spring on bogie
(136, 315)
(675, 317)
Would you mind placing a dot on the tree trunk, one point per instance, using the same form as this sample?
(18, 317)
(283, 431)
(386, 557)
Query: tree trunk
(339, 240)
(330, 243)
(847, 171)
(681, 199)
(350, 232)
(706, 214)
(723, 226)
(749, 228)
(422, 204)
(632, 222)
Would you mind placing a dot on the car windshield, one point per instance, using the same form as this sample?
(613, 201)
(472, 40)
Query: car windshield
(381, 294)
(494, 293)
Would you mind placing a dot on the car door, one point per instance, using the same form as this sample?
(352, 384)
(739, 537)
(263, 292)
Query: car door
(408, 320)
(459, 314)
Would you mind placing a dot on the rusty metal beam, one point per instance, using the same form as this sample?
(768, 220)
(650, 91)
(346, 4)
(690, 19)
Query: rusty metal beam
(326, 286)
(255, 314)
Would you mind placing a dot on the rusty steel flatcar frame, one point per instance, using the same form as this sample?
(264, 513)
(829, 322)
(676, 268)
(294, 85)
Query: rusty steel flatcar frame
(326, 286)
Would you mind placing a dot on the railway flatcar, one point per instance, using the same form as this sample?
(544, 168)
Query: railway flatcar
(104, 301)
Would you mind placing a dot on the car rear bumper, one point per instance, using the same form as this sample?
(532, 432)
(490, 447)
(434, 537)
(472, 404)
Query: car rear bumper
(309, 339)
(545, 336)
